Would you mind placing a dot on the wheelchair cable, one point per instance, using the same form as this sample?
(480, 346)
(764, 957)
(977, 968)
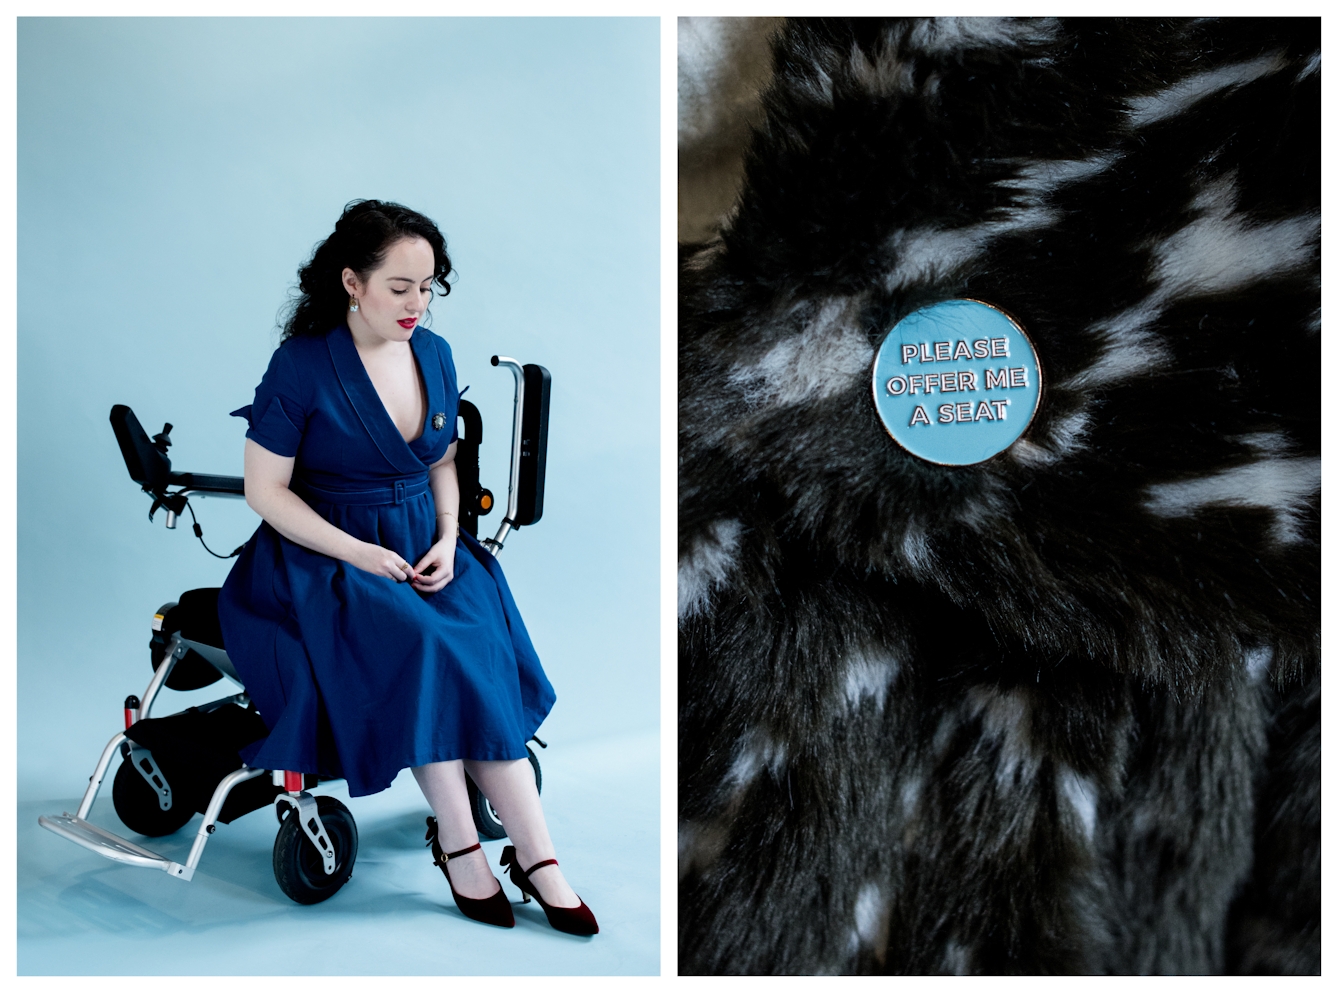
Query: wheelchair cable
(199, 533)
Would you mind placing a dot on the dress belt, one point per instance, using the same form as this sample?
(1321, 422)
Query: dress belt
(396, 492)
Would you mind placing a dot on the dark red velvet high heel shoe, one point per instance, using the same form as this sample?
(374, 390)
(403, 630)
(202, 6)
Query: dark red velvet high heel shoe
(572, 920)
(495, 910)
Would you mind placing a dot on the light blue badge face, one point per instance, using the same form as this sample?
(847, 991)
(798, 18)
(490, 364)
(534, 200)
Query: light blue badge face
(956, 382)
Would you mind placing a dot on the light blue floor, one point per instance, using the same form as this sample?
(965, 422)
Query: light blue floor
(79, 914)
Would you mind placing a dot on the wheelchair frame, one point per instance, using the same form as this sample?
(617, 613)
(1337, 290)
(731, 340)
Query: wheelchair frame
(150, 467)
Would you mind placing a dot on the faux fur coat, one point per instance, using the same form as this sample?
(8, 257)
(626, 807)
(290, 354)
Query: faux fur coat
(1058, 711)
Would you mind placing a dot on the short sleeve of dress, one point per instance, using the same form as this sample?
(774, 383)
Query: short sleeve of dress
(277, 416)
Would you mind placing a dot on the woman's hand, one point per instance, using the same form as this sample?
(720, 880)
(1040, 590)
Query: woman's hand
(381, 561)
(442, 556)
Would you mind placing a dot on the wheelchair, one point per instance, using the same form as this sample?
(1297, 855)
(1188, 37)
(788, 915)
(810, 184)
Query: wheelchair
(186, 763)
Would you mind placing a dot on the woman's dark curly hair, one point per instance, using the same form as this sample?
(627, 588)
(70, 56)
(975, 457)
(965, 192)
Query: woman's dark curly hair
(362, 236)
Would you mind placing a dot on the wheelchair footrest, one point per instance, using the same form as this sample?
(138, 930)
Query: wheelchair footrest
(111, 846)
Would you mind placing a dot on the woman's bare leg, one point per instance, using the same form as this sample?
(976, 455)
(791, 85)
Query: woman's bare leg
(510, 788)
(443, 783)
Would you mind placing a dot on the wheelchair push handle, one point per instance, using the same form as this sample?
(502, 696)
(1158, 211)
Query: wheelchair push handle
(529, 448)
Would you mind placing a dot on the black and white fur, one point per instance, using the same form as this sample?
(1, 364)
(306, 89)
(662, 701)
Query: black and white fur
(1057, 712)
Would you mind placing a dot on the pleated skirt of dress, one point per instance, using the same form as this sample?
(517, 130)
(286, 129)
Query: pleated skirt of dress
(358, 676)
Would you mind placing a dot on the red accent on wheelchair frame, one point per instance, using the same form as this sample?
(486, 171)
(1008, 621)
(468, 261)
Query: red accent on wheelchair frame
(292, 781)
(131, 709)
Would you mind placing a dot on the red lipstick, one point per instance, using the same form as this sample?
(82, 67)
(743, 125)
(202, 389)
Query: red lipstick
(408, 322)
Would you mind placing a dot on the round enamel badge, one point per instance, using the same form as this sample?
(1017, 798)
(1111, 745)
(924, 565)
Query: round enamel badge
(956, 382)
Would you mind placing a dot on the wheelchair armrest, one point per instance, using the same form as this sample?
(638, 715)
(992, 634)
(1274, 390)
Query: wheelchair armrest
(199, 482)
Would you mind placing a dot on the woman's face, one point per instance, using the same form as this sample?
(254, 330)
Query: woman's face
(395, 295)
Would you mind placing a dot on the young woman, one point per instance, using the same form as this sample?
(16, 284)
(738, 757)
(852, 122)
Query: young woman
(371, 633)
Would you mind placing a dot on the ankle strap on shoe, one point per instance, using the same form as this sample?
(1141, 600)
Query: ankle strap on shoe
(538, 865)
(509, 858)
(434, 843)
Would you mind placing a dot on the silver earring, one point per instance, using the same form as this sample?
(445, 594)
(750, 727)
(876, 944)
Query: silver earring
(353, 304)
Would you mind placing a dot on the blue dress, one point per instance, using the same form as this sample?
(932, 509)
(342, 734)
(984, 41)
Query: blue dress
(355, 675)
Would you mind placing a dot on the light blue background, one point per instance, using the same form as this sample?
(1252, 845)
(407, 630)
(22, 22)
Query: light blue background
(172, 175)
(954, 443)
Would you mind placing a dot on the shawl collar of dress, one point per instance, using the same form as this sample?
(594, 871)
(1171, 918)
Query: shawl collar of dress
(367, 403)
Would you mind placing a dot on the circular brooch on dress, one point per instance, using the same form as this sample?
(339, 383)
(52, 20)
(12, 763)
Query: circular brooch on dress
(438, 421)
(957, 382)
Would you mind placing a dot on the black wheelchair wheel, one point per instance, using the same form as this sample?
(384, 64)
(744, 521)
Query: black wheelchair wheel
(136, 805)
(485, 818)
(298, 867)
